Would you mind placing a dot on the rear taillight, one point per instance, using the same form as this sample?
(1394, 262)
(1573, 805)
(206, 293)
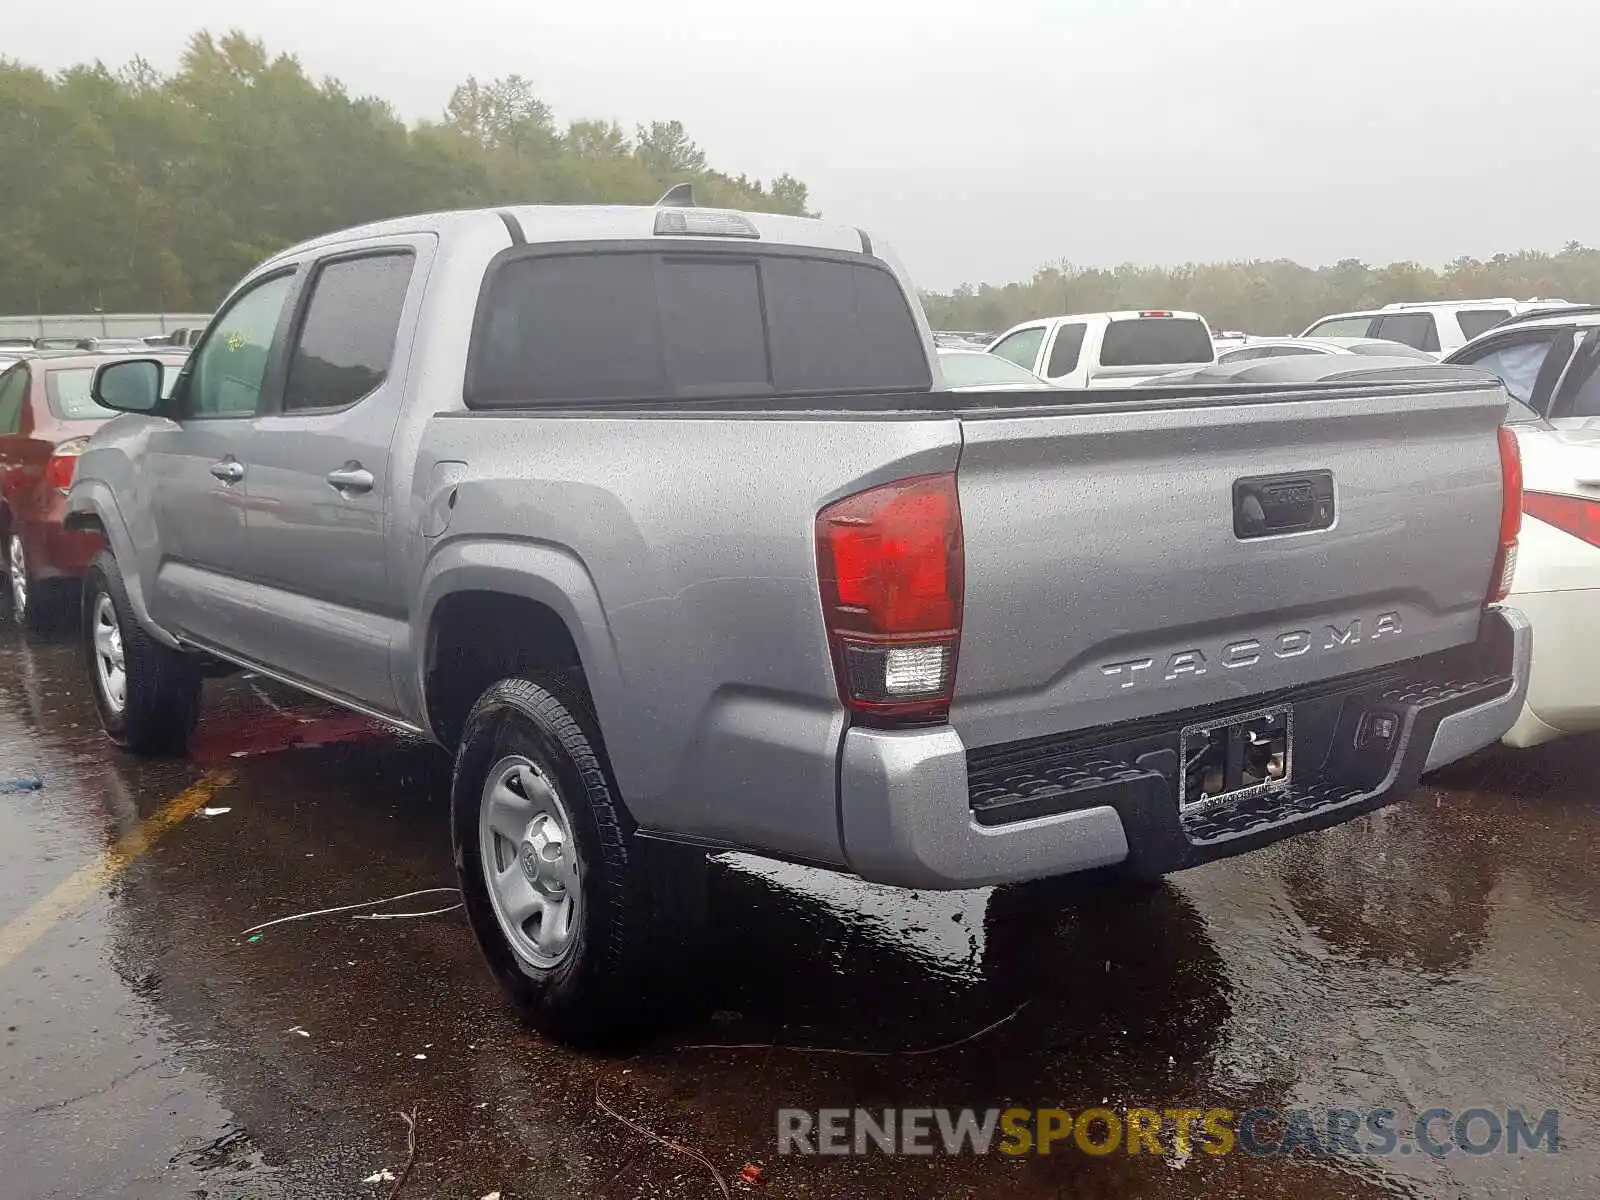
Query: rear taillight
(1570, 514)
(1505, 561)
(891, 566)
(63, 464)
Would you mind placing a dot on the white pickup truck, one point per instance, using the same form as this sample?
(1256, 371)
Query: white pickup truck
(1109, 349)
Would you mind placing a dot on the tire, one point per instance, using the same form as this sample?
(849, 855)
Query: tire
(606, 934)
(35, 604)
(160, 699)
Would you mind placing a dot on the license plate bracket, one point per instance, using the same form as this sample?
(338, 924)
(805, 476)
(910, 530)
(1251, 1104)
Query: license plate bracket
(1235, 758)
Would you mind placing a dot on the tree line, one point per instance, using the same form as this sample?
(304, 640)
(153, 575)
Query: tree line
(1265, 297)
(130, 190)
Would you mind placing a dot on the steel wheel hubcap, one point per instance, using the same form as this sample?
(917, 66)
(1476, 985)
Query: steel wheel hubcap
(19, 576)
(110, 667)
(530, 860)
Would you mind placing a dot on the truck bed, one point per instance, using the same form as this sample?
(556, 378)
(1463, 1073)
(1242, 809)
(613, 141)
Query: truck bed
(1104, 579)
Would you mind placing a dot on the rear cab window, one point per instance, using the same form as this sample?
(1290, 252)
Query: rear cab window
(685, 323)
(1156, 342)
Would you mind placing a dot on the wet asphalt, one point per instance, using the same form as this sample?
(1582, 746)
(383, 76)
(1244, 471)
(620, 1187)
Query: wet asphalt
(1442, 952)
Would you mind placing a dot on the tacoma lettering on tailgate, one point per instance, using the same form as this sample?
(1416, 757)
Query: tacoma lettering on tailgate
(1247, 652)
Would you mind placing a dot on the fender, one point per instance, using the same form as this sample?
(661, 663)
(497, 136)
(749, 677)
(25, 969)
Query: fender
(91, 497)
(538, 571)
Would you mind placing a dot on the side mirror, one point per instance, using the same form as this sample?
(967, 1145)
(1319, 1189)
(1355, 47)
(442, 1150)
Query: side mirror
(132, 385)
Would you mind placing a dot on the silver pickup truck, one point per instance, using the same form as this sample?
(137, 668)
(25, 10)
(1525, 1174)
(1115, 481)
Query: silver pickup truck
(656, 519)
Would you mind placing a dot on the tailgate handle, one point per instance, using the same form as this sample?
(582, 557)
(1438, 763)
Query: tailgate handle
(1273, 505)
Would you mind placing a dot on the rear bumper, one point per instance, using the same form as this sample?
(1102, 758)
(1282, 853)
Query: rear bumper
(55, 552)
(919, 810)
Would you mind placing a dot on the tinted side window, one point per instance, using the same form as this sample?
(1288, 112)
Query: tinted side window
(635, 326)
(13, 394)
(1516, 363)
(1474, 321)
(1416, 329)
(1021, 347)
(1064, 354)
(227, 372)
(1580, 390)
(1341, 327)
(346, 340)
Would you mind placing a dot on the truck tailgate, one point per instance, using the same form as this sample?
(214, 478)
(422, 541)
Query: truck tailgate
(1106, 580)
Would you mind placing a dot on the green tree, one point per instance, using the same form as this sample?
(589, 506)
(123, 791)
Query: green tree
(666, 151)
(131, 189)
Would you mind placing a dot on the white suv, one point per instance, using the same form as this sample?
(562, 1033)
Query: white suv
(1438, 327)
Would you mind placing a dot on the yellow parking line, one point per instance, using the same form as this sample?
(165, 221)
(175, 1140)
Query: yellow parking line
(72, 891)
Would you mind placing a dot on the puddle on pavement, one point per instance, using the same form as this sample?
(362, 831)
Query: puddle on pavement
(1441, 952)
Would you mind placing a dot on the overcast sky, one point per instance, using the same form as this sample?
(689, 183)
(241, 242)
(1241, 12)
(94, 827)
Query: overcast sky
(983, 139)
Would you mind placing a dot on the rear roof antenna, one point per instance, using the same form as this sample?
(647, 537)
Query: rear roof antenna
(679, 195)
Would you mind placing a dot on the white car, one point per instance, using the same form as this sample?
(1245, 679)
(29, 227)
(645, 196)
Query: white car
(977, 371)
(1437, 326)
(1550, 363)
(1108, 349)
(1288, 347)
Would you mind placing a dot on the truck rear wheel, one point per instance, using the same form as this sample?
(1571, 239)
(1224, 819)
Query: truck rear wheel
(584, 924)
(148, 695)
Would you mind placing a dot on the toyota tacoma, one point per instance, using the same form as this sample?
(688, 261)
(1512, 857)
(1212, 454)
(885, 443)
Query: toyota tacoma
(656, 518)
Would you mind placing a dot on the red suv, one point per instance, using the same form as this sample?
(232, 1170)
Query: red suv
(46, 417)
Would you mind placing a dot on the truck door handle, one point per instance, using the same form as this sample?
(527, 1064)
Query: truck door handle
(352, 477)
(229, 470)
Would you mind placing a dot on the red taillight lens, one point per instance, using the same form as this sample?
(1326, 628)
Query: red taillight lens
(63, 465)
(1505, 562)
(1570, 514)
(890, 563)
